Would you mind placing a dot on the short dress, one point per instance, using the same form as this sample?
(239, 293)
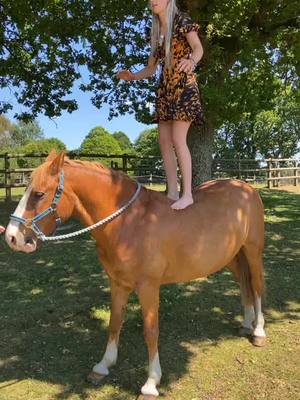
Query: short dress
(178, 96)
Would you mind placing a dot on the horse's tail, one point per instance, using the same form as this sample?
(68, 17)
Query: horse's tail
(249, 282)
(245, 278)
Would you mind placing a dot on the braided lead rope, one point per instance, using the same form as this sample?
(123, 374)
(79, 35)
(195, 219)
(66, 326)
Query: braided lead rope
(97, 224)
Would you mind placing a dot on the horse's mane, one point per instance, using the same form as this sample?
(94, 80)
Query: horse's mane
(96, 165)
(88, 164)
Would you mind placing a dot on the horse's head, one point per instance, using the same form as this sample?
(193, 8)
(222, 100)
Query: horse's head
(42, 206)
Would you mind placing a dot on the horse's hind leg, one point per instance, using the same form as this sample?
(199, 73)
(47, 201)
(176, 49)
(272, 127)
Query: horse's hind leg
(119, 298)
(246, 328)
(255, 261)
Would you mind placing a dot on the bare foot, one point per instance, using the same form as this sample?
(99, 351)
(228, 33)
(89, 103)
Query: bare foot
(183, 202)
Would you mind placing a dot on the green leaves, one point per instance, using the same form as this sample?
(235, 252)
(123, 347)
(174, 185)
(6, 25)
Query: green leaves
(100, 141)
(124, 142)
(147, 143)
(251, 50)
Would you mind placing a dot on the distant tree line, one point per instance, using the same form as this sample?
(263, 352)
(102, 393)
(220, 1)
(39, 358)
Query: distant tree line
(274, 133)
(29, 138)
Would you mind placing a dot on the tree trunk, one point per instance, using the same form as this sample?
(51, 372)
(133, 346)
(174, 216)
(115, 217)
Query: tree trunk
(201, 144)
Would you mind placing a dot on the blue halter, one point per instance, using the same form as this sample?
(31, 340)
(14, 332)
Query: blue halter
(30, 223)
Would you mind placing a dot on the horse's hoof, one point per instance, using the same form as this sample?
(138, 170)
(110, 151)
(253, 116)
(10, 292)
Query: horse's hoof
(259, 341)
(95, 379)
(147, 397)
(245, 332)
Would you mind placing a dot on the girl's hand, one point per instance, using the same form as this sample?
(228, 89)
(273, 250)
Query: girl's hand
(125, 75)
(2, 229)
(186, 65)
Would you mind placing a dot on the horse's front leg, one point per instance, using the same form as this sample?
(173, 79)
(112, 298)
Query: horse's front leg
(119, 299)
(149, 299)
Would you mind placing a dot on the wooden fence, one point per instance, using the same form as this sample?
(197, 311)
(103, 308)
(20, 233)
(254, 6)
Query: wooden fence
(15, 169)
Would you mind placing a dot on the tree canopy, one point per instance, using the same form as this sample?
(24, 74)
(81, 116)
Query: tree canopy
(271, 132)
(43, 146)
(17, 135)
(25, 132)
(147, 143)
(100, 141)
(124, 142)
(250, 47)
(44, 43)
(6, 130)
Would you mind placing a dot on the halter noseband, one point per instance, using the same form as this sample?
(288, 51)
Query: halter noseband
(30, 223)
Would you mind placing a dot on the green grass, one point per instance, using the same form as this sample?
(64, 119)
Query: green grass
(54, 311)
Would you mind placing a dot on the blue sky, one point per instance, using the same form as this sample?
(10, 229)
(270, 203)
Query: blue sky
(72, 128)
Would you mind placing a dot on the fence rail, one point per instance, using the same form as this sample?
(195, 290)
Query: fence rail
(15, 169)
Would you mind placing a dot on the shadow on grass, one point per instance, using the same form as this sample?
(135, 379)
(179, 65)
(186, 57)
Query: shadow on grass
(50, 330)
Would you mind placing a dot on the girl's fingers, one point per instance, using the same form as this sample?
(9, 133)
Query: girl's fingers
(180, 65)
(185, 66)
(123, 74)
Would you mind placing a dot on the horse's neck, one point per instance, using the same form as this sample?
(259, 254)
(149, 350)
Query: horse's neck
(98, 193)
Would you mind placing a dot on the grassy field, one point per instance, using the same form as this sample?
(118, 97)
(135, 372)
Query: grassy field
(55, 310)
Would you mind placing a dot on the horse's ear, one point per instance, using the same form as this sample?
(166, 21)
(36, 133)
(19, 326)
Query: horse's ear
(52, 155)
(57, 163)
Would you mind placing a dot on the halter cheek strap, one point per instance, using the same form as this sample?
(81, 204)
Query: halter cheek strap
(31, 222)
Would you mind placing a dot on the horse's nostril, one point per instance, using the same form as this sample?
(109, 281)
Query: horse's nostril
(13, 239)
(29, 240)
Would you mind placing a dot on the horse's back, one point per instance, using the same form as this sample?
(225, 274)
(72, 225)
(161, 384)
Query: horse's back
(210, 199)
(225, 186)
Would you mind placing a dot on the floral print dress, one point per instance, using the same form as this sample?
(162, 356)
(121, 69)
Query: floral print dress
(178, 96)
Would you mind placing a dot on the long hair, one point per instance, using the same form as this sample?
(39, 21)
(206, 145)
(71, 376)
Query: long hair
(155, 32)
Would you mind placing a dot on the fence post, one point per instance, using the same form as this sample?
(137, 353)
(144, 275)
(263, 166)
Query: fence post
(7, 180)
(124, 163)
(295, 173)
(239, 167)
(278, 174)
(269, 173)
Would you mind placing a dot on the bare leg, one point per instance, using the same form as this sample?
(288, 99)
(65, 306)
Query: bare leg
(149, 300)
(179, 134)
(169, 157)
(119, 298)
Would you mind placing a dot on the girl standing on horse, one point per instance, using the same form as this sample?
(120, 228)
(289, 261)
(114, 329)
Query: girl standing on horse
(176, 45)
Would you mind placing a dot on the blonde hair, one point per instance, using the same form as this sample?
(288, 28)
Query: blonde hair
(155, 32)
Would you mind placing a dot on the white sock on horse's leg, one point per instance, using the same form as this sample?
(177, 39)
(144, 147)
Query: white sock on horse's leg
(260, 321)
(154, 377)
(109, 359)
(249, 317)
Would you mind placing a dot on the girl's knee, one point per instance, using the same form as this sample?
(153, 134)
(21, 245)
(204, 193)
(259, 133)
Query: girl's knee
(178, 141)
(165, 141)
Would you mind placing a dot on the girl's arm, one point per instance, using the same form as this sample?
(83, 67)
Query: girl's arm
(142, 74)
(188, 65)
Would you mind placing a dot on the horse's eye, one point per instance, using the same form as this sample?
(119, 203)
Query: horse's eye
(39, 195)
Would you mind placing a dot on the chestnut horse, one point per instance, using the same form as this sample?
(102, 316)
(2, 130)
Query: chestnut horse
(149, 244)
